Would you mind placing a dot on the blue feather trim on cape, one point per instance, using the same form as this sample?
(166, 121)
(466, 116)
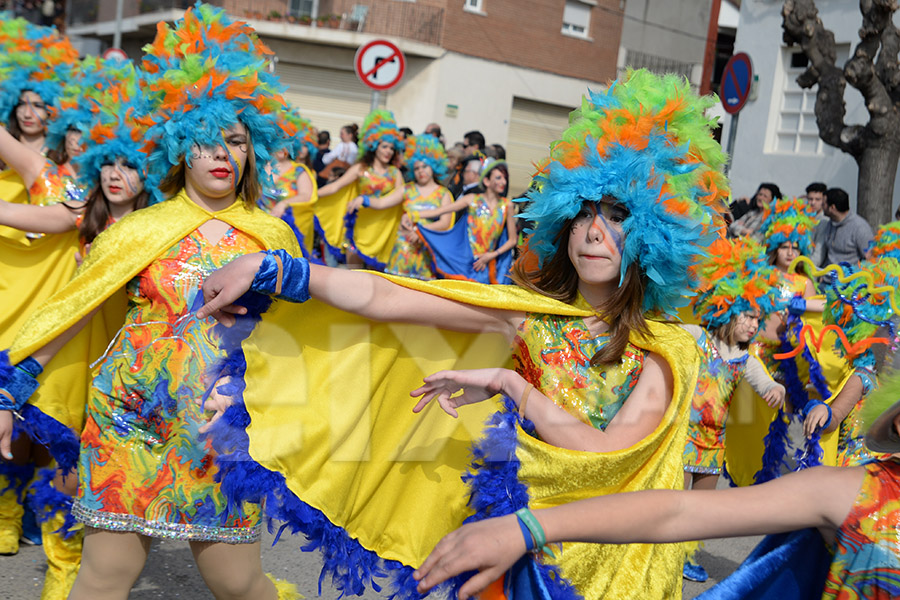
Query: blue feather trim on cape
(452, 256)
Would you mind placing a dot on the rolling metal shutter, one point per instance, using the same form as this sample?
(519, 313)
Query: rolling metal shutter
(532, 126)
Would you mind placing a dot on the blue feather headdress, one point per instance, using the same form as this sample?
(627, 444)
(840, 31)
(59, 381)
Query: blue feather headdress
(303, 138)
(647, 143)
(201, 78)
(32, 58)
(427, 149)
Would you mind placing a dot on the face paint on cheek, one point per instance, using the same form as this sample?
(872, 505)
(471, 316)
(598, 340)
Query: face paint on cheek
(612, 240)
(33, 112)
(235, 165)
(132, 189)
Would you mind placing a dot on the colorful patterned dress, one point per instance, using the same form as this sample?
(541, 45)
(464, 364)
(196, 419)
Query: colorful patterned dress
(486, 224)
(851, 447)
(554, 353)
(373, 184)
(55, 184)
(143, 465)
(792, 284)
(866, 564)
(412, 259)
(704, 451)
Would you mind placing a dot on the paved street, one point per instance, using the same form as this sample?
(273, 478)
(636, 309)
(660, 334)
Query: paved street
(170, 571)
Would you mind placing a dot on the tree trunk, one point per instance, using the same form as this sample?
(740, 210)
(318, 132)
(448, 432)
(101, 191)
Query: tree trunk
(875, 186)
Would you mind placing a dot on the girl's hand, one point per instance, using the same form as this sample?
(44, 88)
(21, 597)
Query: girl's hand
(224, 286)
(816, 418)
(477, 385)
(481, 262)
(774, 396)
(491, 547)
(217, 402)
(355, 204)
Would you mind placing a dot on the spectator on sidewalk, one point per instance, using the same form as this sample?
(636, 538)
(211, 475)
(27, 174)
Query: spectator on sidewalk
(815, 200)
(845, 236)
(749, 215)
(473, 142)
(470, 177)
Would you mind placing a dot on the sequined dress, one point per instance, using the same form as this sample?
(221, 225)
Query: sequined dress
(413, 259)
(866, 563)
(704, 451)
(792, 284)
(143, 466)
(554, 353)
(851, 447)
(486, 224)
(374, 184)
(55, 184)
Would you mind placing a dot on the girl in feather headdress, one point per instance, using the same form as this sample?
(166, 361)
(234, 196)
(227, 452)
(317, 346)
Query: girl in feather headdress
(629, 198)
(380, 183)
(428, 160)
(145, 469)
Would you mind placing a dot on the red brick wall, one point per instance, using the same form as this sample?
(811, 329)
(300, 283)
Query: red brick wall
(527, 33)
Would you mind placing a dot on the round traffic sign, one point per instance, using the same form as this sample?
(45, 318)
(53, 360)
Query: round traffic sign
(736, 80)
(115, 54)
(379, 64)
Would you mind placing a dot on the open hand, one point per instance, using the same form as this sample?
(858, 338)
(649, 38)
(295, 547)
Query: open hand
(816, 418)
(355, 204)
(491, 547)
(774, 396)
(476, 385)
(481, 262)
(217, 402)
(6, 430)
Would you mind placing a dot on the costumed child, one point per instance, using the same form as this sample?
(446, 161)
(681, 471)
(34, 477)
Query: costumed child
(144, 468)
(113, 169)
(35, 65)
(607, 252)
(293, 198)
(358, 225)
(409, 257)
(861, 313)
(856, 511)
(739, 290)
(479, 247)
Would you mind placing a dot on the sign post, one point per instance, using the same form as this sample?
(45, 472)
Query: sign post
(380, 65)
(736, 81)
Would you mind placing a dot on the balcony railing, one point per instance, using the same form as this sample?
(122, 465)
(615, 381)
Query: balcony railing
(391, 18)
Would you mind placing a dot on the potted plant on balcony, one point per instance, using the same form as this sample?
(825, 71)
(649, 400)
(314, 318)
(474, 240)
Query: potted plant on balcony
(304, 20)
(273, 16)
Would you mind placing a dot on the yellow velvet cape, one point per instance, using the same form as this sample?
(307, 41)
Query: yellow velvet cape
(304, 212)
(375, 230)
(117, 255)
(328, 398)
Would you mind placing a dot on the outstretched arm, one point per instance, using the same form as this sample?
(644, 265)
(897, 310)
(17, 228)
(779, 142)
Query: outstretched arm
(392, 198)
(360, 293)
(443, 222)
(20, 158)
(57, 218)
(638, 417)
(818, 497)
(446, 208)
(349, 176)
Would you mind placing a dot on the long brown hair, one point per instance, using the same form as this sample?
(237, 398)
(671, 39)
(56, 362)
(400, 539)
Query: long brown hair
(249, 187)
(59, 155)
(558, 279)
(96, 213)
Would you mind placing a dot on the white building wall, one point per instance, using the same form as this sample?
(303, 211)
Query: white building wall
(482, 91)
(755, 157)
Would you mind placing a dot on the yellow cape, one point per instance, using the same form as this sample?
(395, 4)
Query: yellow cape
(12, 189)
(305, 211)
(375, 230)
(117, 255)
(328, 398)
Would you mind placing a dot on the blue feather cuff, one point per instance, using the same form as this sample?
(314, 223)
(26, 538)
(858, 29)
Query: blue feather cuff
(18, 383)
(283, 276)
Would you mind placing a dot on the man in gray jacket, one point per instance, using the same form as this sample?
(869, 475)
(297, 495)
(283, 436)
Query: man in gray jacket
(845, 236)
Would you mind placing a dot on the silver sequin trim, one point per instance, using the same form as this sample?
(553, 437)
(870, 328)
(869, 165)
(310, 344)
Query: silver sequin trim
(169, 531)
(703, 470)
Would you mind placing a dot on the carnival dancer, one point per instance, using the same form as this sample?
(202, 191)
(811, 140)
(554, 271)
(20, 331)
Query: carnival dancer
(144, 469)
(479, 247)
(353, 230)
(613, 249)
(854, 510)
(739, 290)
(294, 196)
(34, 64)
(429, 163)
(114, 170)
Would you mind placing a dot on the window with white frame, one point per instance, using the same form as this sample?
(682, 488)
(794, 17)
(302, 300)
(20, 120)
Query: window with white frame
(474, 6)
(300, 8)
(796, 130)
(577, 18)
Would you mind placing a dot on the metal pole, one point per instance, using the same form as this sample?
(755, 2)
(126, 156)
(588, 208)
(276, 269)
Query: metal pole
(117, 35)
(732, 133)
(376, 99)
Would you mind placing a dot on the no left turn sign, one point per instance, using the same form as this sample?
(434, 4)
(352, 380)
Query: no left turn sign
(379, 64)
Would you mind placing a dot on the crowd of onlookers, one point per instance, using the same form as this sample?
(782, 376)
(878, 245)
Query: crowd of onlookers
(841, 235)
(466, 158)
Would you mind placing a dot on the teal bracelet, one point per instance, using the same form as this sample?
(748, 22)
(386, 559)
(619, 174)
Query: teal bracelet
(527, 518)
